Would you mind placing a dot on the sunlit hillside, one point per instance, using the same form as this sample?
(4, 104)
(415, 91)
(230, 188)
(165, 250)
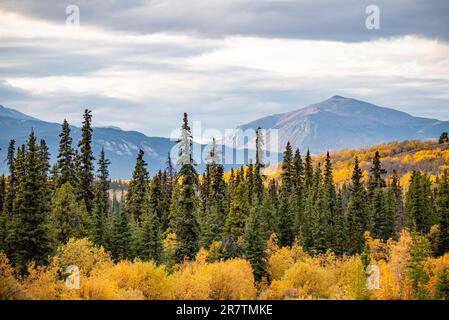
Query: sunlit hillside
(403, 156)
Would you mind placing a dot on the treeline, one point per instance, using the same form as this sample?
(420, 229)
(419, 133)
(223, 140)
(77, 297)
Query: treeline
(169, 217)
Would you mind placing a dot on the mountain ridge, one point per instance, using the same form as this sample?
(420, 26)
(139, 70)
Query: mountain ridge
(341, 122)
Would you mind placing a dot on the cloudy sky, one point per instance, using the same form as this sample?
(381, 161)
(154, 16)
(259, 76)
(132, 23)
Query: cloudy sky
(139, 64)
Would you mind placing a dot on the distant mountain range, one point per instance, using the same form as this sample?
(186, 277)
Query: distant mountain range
(340, 122)
(120, 146)
(333, 124)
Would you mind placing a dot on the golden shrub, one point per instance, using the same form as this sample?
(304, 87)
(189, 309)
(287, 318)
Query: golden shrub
(279, 262)
(9, 287)
(84, 254)
(43, 282)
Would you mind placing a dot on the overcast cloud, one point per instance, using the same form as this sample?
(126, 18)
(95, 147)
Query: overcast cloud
(140, 64)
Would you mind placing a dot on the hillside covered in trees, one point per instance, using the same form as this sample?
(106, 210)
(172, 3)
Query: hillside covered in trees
(309, 230)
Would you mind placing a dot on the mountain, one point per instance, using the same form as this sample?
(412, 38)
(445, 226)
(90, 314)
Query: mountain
(340, 122)
(120, 146)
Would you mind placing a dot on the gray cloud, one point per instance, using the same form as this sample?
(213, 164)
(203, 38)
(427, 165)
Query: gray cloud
(140, 84)
(320, 19)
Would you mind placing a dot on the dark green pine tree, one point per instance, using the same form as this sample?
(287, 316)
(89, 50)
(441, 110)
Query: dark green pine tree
(308, 171)
(86, 159)
(238, 212)
(258, 188)
(390, 207)
(255, 244)
(442, 203)
(2, 191)
(418, 203)
(4, 219)
(121, 236)
(10, 195)
(217, 201)
(378, 210)
(138, 188)
(249, 180)
(298, 192)
(329, 204)
(101, 200)
(398, 201)
(32, 236)
(156, 197)
(357, 220)
(316, 214)
(269, 210)
(286, 214)
(150, 241)
(66, 157)
(340, 227)
(185, 224)
(164, 201)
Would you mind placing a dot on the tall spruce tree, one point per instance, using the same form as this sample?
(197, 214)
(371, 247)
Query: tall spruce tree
(259, 165)
(68, 216)
(86, 158)
(138, 188)
(378, 210)
(286, 214)
(10, 195)
(442, 203)
(66, 157)
(418, 204)
(357, 219)
(185, 223)
(255, 244)
(150, 242)
(121, 236)
(32, 239)
(329, 204)
(238, 212)
(101, 200)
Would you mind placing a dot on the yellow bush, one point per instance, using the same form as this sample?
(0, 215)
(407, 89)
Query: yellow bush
(279, 262)
(43, 282)
(9, 287)
(84, 254)
(310, 279)
(231, 280)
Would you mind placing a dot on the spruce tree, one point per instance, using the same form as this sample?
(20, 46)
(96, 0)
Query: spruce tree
(418, 204)
(357, 219)
(329, 204)
(254, 244)
(308, 171)
(138, 188)
(101, 201)
(150, 242)
(298, 196)
(32, 239)
(66, 157)
(121, 236)
(86, 158)
(10, 195)
(68, 216)
(442, 203)
(398, 201)
(185, 224)
(238, 212)
(377, 206)
(286, 214)
(259, 165)
(4, 219)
